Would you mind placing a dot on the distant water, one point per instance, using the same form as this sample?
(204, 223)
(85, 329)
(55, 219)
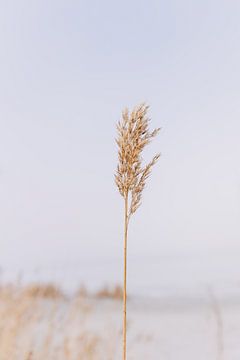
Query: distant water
(147, 276)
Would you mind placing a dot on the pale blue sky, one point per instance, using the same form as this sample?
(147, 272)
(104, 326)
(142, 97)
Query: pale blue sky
(67, 70)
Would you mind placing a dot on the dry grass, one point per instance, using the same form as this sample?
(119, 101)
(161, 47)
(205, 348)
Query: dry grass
(106, 292)
(131, 176)
(39, 322)
(217, 313)
(133, 136)
(47, 291)
(115, 293)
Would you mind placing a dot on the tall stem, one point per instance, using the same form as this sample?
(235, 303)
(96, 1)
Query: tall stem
(125, 278)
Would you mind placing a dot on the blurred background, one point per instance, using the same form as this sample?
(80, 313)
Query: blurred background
(68, 69)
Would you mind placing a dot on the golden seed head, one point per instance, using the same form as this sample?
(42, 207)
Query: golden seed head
(133, 136)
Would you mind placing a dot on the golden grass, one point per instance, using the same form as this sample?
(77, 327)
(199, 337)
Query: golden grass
(133, 136)
(43, 290)
(131, 176)
(108, 293)
(39, 322)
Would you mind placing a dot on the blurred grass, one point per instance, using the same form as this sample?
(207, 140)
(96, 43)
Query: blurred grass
(39, 322)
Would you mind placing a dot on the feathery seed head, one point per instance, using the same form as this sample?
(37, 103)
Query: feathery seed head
(133, 136)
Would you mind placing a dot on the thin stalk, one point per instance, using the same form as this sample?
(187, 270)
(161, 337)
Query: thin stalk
(125, 277)
(131, 176)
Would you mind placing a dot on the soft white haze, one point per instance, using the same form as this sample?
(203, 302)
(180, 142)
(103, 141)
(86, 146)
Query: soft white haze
(67, 70)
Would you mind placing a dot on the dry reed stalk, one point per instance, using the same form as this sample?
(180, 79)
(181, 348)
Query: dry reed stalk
(216, 309)
(131, 175)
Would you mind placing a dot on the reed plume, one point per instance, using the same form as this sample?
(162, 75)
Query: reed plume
(131, 175)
